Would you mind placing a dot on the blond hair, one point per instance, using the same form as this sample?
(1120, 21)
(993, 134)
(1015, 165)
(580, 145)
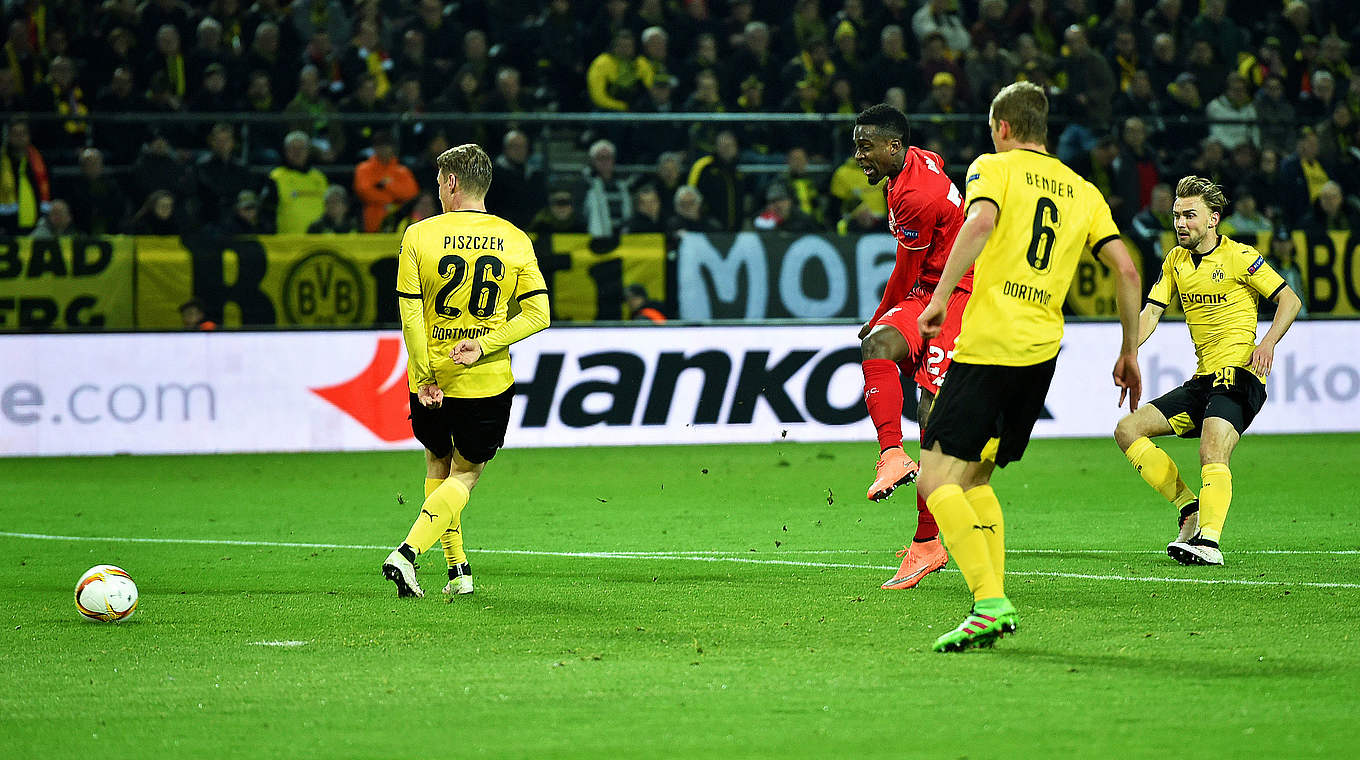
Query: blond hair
(470, 164)
(1024, 106)
(1199, 187)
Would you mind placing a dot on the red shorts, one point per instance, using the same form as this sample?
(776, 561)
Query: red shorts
(929, 358)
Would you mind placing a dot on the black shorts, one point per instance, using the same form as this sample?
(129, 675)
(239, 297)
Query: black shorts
(1233, 394)
(979, 402)
(475, 426)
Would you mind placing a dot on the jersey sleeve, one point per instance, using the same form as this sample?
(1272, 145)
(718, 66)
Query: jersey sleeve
(531, 293)
(408, 271)
(1103, 229)
(1165, 287)
(1259, 275)
(986, 181)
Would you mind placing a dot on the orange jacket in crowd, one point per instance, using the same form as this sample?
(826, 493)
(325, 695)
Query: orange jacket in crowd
(382, 187)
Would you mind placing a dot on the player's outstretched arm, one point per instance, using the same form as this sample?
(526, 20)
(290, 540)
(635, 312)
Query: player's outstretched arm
(968, 245)
(1287, 309)
(1127, 289)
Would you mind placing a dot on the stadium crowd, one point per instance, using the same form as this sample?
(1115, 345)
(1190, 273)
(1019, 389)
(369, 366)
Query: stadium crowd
(1263, 99)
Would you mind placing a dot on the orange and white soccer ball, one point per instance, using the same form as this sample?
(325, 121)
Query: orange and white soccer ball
(106, 592)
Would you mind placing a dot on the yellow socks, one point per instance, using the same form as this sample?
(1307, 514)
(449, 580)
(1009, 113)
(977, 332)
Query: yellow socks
(1215, 494)
(452, 540)
(439, 512)
(964, 533)
(1159, 471)
(988, 510)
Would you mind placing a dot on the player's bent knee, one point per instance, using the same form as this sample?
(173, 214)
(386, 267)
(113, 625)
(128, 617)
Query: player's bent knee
(883, 344)
(1126, 432)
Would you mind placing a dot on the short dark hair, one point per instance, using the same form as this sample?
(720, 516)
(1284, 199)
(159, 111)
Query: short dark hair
(884, 117)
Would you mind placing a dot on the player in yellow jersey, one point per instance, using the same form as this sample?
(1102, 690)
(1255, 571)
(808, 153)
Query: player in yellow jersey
(1218, 280)
(1028, 219)
(457, 275)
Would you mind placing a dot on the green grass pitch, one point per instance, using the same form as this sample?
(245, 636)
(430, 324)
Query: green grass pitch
(708, 601)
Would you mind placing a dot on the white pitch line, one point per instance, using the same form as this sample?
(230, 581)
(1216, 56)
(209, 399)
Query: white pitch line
(686, 557)
(279, 643)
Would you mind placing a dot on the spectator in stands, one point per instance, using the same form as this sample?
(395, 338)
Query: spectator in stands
(295, 193)
(1209, 72)
(1302, 176)
(559, 38)
(646, 211)
(1246, 222)
(1336, 135)
(990, 26)
(959, 137)
(988, 71)
(359, 134)
(805, 189)
(313, 110)
(1165, 65)
(1034, 19)
(892, 64)
(336, 219)
(211, 95)
(25, 189)
(12, 99)
(366, 56)
(705, 99)
(1135, 171)
(935, 59)
(246, 218)
(781, 213)
(169, 59)
(721, 183)
(689, 216)
(1213, 26)
(641, 306)
(560, 216)
(266, 55)
(1275, 112)
(98, 203)
(509, 95)
(159, 216)
(259, 100)
(668, 177)
(1331, 212)
(208, 49)
(703, 58)
(1149, 224)
(23, 59)
(1317, 104)
(1234, 105)
(62, 95)
(382, 183)
(846, 58)
(754, 58)
(659, 98)
(120, 140)
(57, 223)
(617, 76)
(1281, 257)
(219, 176)
(194, 316)
(1097, 165)
(516, 192)
(608, 204)
(805, 26)
(439, 35)
(1088, 82)
(938, 17)
(656, 52)
(1165, 17)
(1125, 58)
(1184, 126)
(1211, 161)
(813, 66)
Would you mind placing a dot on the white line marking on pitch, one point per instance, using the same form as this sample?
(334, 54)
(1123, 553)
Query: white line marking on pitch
(279, 643)
(684, 557)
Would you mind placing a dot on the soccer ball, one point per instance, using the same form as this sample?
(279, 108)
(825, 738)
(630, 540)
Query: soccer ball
(106, 592)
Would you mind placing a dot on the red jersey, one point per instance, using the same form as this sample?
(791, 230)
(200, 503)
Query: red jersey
(925, 212)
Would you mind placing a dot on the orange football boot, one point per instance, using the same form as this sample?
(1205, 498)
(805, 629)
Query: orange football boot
(921, 558)
(895, 468)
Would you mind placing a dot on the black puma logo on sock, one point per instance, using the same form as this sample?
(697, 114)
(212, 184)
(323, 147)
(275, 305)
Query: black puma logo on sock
(990, 528)
(428, 514)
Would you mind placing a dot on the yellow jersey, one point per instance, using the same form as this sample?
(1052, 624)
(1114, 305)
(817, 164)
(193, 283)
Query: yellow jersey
(1047, 215)
(466, 267)
(1218, 292)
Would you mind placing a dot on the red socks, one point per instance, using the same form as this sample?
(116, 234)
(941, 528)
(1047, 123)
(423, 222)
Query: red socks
(883, 396)
(925, 522)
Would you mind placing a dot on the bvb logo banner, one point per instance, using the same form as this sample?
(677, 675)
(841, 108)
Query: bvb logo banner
(325, 288)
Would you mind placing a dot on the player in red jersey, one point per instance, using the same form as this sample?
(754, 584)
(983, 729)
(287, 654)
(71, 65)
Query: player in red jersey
(925, 211)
